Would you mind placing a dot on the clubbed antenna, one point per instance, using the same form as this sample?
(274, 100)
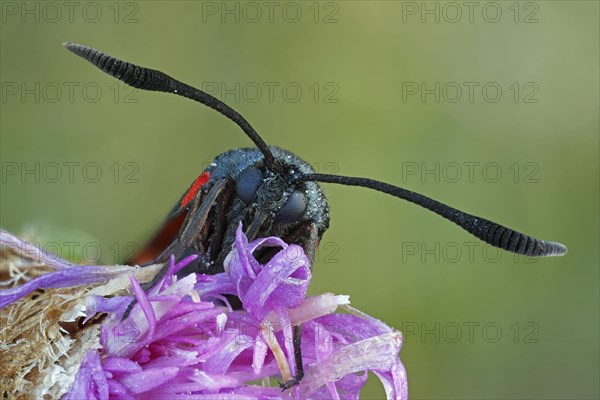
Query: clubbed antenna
(488, 231)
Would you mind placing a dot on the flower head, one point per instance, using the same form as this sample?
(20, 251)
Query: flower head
(182, 339)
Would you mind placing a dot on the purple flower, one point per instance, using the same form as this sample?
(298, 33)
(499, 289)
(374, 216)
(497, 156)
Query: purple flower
(182, 340)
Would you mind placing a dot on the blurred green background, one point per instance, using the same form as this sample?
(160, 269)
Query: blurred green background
(508, 91)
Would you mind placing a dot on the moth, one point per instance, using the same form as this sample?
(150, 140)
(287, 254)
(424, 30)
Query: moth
(271, 192)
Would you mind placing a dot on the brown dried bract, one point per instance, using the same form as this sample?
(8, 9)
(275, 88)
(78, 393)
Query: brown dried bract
(40, 352)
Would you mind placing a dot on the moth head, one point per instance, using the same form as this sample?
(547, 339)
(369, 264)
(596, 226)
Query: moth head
(272, 192)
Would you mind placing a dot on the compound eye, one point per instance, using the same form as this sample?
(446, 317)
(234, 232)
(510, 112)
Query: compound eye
(247, 184)
(293, 209)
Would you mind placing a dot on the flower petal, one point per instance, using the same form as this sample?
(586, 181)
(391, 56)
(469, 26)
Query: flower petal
(32, 252)
(377, 352)
(146, 306)
(68, 277)
(90, 380)
(149, 379)
(282, 282)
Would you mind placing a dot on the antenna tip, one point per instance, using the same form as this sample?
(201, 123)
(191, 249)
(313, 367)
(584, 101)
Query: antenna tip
(77, 49)
(561, 249)
(552, 249)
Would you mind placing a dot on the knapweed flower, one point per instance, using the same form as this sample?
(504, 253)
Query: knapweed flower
(183, 340)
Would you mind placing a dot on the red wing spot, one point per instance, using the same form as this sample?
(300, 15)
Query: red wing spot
(193, 190)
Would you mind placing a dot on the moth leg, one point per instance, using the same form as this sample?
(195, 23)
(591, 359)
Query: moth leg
(214, 228)
(298, 358)
(191, 227)
(222, 209)
(307, 235)
(194, 221)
